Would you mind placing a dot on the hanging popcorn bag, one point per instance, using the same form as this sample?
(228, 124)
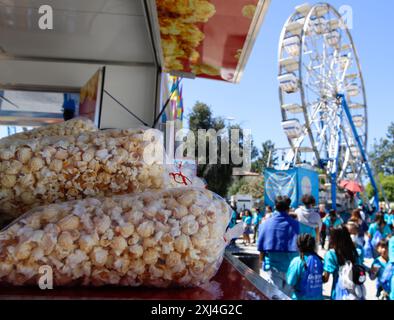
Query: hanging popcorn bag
(174, 237)
(71, 127)
(35, 172)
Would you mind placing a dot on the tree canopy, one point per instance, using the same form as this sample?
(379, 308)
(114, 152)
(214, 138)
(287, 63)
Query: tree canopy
(267, 157)
(382, 159)
(217, 175)
(382, 155)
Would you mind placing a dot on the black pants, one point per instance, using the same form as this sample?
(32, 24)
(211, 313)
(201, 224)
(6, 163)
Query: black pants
(323, 235)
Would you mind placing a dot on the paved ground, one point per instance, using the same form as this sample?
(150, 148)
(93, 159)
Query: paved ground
(369, 285)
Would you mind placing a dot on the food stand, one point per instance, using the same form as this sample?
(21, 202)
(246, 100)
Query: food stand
(132, 44)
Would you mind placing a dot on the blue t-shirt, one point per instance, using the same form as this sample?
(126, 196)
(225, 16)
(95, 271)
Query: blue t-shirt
(248, 221)
(360, 251)
(391, 249)
(304, 229)
(390, 219)
(329, 224)
(294, 276)
(233, 220)
(257, 218)
(374, 227)
(331, 265)
(392, 290)
(378, 263)
(345, 216)
(278, 260)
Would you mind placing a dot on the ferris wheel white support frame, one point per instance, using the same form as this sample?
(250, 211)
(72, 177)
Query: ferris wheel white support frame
(314, 66)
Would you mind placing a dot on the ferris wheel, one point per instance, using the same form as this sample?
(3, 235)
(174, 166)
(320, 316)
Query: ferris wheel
(322, 94)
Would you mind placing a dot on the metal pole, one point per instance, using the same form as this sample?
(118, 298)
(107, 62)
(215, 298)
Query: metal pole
(334, 190)
(334, 152)
(361, 148)
(269, 159)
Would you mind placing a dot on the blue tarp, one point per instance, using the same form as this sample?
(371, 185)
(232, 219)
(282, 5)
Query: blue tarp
(293, 183)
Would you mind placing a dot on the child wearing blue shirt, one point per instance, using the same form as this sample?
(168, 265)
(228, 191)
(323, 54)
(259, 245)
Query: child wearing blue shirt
(257, 217)
(332, 220)
(378, 266)
(247, 220)
(305, 273)
(379, 225)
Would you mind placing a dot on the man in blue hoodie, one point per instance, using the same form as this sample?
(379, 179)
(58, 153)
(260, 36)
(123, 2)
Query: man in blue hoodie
(277, 243)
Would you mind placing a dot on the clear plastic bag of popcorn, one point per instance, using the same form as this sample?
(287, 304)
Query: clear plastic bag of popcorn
(172, 238)
(71, 127)
(47, 170)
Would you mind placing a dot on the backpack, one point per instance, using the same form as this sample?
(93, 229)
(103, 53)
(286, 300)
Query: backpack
(359, 274)
(311, 284)
(350, 285)
(387, 275)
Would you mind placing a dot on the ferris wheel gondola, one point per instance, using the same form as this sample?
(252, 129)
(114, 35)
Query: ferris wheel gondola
(320, 76)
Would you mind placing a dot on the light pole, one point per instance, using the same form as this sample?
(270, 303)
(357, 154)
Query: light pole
(229, 119)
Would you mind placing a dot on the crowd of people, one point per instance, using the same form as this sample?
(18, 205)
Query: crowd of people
(289, 242)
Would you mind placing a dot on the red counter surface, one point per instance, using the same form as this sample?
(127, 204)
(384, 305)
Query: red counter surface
(234, 281)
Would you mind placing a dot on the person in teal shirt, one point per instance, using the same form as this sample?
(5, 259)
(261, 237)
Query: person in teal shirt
(247, 220)
(257, 218)
(353, 229)
(342, 249)
(305, 273)
(379, 225)
(378, 266)
(309, 216)
(233, 223)
(233, 220)
(390, 220)
(308, 230)
(332, 220)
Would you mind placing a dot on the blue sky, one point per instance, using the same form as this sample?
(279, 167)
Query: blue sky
(255, 102)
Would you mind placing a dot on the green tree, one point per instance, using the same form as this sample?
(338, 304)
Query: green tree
(382, 155)
(387, 183)
(218, 175)
(253, 186)
(201, 118)
(267, 152)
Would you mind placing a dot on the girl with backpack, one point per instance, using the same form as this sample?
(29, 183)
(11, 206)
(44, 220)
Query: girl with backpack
(341, 261)
(305, 273)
